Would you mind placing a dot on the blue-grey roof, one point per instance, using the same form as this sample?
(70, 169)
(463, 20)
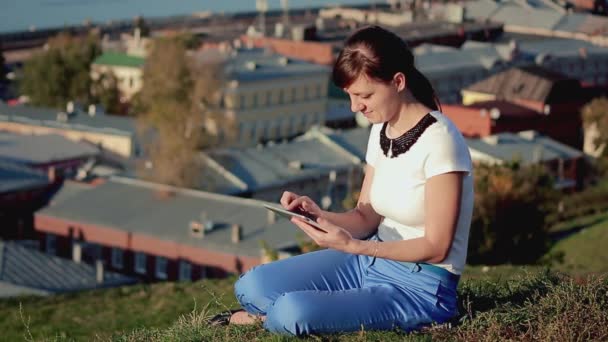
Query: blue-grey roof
(534, 14)
(354, 140)
(558, 47)
(25, 270)
(15, 177)
(471, 57)
(513, 14)
(47, 117)
(135, 206)
(42, 149)
(528, 147)
(268, 66)
(270, 166)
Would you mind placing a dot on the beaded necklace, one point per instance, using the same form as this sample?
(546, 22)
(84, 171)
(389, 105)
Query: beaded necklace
(392, 148)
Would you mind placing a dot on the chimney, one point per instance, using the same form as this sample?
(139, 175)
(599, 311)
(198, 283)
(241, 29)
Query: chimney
(237, 233)
(99, 270)
(76, 252)
(272, 217)
(69, 108)
(52, 174)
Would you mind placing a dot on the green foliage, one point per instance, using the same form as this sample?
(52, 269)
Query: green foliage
(61, 73)
(270, 253)
(595, 113)
(585, 251)
(509, 218)
(178, 94)
(528, 306)
(104, 91)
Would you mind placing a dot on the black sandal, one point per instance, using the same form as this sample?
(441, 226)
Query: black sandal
(223, 318)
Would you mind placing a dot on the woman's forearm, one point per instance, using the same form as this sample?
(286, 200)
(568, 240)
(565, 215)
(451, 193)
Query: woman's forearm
(413, 250)
(354, 221)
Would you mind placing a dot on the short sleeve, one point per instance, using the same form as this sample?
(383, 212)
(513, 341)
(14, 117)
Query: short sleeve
(373, 145)
(448, 152)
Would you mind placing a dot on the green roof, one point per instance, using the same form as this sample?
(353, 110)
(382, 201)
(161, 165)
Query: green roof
(119, 59)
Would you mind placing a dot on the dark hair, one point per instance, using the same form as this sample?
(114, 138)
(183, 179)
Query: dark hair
(380, 54)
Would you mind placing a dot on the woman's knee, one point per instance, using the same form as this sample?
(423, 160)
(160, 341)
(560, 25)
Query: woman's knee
(252, 293)
(290, 314)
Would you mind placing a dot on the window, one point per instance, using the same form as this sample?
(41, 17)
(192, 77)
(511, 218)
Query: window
(185, 270)
(161, 267)
(51, 244)
(117, 255)
(140, 263)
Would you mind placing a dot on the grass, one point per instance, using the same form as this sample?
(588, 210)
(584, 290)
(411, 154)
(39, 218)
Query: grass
(585, 251)
(100, 313)
(504, 302)
(541, 306)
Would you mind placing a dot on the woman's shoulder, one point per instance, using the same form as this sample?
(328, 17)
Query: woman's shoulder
(443, 126)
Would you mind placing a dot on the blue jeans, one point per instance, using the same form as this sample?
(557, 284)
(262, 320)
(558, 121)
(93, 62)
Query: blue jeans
(330, 291)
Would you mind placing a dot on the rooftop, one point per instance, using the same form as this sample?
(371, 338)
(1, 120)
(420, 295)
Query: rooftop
(248, 65)
(119, 59)
(15, 177)
(42, 149)
(529, 147)
(49, 117)
(135, 206)
(27, 271)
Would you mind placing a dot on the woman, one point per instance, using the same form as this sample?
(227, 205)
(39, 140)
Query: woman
(394, 261)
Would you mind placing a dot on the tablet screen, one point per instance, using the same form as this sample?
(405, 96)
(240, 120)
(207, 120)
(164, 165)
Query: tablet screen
(289, 214)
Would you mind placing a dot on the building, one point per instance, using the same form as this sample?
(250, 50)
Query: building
(268, 97)
(43, 152)
(313, 165)
(542, 18)
(528, 147)
(517, 99)
(127, 69)
(23, 191)
(157, 232)
(111, 133)
(26, 271)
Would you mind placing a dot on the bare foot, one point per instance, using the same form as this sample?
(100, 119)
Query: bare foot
(242, 317)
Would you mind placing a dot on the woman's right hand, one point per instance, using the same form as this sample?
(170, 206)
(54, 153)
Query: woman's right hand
(303, 204)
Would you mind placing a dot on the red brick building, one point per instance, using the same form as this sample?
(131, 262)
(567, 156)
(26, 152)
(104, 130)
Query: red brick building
(519, 99)
(160, 233)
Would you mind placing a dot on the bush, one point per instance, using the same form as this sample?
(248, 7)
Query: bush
(509, 218)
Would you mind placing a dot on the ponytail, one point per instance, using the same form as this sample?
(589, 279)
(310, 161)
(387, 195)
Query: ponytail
(421, 89)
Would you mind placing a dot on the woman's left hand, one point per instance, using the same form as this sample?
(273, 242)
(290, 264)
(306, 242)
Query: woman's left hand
(334, 236)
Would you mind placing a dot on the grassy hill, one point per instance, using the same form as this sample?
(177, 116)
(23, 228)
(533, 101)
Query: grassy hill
(497, 303)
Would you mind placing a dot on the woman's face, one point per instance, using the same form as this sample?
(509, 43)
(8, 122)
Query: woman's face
(378, 101)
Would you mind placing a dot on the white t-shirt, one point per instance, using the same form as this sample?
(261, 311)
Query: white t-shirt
(397, 190)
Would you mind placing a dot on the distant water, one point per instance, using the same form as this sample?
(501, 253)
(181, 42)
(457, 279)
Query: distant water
(20, 15)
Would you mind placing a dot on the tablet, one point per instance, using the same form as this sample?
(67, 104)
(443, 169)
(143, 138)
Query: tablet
(289, 214)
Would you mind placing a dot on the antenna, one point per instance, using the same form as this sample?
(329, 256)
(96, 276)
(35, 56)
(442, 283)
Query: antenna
(285, 7)
(262, 7)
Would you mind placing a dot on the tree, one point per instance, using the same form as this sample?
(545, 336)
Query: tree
(595, 118)
(61, 73)
(509, 222)
(177, 96)
(105, 91)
